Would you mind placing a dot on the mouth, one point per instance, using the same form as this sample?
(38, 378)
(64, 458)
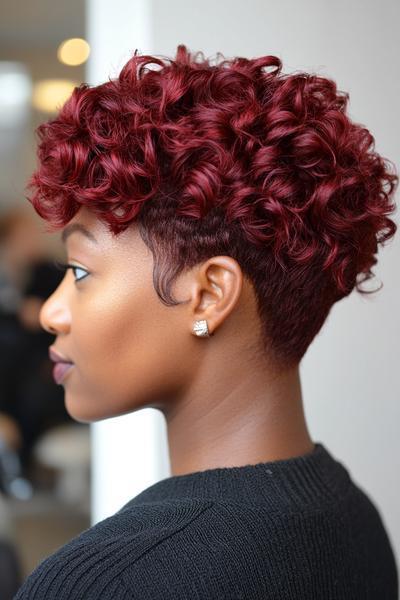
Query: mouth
(62, 365)
(55, 356)
(60, 370)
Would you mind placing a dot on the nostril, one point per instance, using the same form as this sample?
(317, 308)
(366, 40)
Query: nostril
(46, 324)
(55, 316)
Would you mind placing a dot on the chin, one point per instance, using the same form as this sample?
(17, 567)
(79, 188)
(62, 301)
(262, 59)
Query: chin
(78, 410)
(90, 408)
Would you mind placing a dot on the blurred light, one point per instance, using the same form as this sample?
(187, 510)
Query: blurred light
(74, 51)
(21, 488)
(50, 94)
(15, 92)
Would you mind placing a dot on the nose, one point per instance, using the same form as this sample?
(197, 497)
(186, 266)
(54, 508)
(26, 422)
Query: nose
(54, 314)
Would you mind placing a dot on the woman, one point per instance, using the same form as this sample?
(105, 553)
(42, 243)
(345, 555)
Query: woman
(212, 216)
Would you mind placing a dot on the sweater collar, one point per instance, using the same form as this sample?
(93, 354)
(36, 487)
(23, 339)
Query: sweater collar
(295, 482)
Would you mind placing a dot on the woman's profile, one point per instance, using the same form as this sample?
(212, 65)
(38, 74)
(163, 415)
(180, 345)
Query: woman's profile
(212, 214)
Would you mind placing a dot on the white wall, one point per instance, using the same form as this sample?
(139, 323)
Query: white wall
(350, 373)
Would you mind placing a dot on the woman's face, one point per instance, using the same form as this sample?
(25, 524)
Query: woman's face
(128, 349)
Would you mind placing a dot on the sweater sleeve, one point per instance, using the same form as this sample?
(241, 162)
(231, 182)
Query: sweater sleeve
(91, 565)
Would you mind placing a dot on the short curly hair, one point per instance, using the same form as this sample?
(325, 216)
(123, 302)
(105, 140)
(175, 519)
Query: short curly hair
(234, 158)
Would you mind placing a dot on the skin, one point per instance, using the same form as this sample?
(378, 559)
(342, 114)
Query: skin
(222, 406)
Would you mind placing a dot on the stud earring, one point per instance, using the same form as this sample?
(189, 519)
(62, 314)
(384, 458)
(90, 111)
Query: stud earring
(200, 328)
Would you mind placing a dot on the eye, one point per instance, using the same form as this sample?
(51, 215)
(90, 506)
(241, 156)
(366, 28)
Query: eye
(65, 266)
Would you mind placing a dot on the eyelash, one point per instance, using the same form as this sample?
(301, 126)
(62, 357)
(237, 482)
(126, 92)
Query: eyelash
(65, 266)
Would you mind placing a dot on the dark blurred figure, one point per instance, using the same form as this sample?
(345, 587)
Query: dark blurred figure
(28, 393)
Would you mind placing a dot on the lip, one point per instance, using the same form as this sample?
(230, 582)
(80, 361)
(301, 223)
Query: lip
(62, 365)
(56, 357)
(60, 370)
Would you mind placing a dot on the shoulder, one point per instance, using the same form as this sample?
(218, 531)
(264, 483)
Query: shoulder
(194, 548)
(93, 564)
(232, 552)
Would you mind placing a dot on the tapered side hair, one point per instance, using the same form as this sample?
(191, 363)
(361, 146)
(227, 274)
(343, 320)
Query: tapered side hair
(227, 156)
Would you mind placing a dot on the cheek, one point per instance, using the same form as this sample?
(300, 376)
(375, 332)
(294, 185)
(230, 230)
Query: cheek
(106, 332)
(129, 352)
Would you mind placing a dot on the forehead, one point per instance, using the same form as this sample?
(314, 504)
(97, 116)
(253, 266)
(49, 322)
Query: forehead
(86, 217)
(77, 227)
(96, 233)
(86, 223)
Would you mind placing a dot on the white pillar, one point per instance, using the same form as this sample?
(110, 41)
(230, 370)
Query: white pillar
(129, 452)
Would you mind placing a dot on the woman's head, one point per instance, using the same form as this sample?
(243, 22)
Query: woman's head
(128, 349)
(192, 160)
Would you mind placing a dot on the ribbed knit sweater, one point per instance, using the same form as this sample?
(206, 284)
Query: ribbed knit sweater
(292, 529)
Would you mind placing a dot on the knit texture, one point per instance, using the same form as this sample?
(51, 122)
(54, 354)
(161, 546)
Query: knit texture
(293, 529)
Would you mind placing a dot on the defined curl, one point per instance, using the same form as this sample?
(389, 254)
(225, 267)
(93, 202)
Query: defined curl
(233, 157)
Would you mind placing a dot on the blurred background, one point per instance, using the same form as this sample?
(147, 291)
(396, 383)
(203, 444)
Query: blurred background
(44, 455)
(58, 477)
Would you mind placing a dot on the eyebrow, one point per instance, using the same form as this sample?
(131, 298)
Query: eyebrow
(67, 231)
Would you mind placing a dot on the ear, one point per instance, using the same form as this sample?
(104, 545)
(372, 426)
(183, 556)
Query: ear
(215, 289)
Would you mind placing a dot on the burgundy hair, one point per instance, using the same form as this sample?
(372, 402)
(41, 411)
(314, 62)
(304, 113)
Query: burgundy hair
(232, 158)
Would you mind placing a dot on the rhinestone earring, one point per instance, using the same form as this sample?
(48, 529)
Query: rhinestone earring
(200, 328)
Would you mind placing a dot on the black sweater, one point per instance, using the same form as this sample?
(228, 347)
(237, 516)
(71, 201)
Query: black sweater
(298, 528)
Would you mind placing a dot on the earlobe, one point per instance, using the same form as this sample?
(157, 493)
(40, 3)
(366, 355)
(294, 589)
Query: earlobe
(217, 290)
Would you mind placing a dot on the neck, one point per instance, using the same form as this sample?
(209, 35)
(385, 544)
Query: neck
(254, 418)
